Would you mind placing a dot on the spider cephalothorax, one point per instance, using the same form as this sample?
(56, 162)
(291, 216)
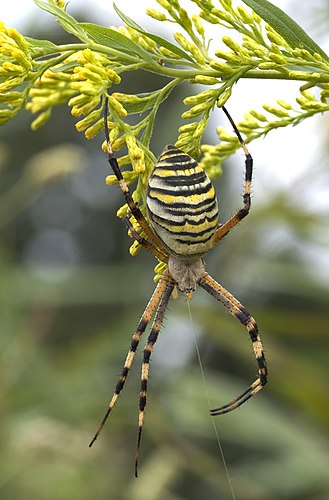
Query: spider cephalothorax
(183, 213)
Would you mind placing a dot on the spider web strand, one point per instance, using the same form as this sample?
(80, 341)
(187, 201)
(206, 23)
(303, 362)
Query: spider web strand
(208, 402)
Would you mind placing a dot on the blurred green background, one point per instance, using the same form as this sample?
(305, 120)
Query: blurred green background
(71, 297)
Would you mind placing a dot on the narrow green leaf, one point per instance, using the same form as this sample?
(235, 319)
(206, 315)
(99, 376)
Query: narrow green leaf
(64, 19)
(127, 20)
(148, 100)
(115, 40)
(156, 38)
(285, 26)
(141, 106)
(65, 67)
(41, 45)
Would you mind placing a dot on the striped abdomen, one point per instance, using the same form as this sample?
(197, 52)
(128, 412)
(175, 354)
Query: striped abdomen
(182, 204)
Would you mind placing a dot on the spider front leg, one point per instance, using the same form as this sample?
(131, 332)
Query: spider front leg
(146, 317)
(237, 310)
(135, 211)
(146, 244)
(223, 229)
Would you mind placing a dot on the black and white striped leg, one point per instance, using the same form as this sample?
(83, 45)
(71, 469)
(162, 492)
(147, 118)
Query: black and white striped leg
(244, 211)
(236, 309)
(146, 362)
(144, 242)
(135, 211)
(146, 317)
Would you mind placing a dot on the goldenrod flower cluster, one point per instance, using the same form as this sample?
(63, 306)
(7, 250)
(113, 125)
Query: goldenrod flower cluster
(15, 66)
(82, 79)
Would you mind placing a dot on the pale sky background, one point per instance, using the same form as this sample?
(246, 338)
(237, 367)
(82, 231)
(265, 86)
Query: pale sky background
(285, 155)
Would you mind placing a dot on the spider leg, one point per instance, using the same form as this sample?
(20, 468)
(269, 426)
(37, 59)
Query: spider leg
(146, 361)
(144, 242)
(236, 309)
(135, 211)
(146, 316)
(243, 212)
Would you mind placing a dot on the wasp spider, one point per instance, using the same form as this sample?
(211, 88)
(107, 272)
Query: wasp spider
(183, 226)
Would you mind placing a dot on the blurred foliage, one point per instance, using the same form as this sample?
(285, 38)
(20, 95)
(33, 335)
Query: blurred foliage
(71, 296)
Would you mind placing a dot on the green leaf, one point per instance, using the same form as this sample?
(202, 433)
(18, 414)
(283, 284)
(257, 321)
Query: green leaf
(44, 46)
(65, 67)
(285, 26)
(148, 100)
(115, 40)
(64, 19)
(156, 38)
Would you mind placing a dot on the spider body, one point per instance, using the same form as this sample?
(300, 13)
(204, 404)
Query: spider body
(183, 226)
(182, 204)
(183, 211)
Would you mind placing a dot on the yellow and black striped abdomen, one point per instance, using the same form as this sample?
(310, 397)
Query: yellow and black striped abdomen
(182, 204)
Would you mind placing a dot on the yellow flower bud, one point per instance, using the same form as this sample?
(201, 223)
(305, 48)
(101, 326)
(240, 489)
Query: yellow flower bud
(279, 112)
(18, 39)
(165, 4)
(205, 80)
(123, 211)
(227, 4)
(198, 24)
(6, 114)
(78, 100)
(92, 131)
(113, 76)
(219, 66)
(117, 106)
(182, 41)
(41, 119)
(224, 97)
(147, 43)
(278, 58)
(168, 53)
(209, 17)
(85, 88)
(231, 44)
(198, 98)
(225, 136)
(21, 58)
(87, 55)
(159, 16)
(125, 98)
(196, 110)
(111, 180)
(258, 116)
(189, 127)
(274, 37)
(9, 67)
(135, 248)
(221, 14)
(200, 129)
(95, 68)
(245, 16)
(285, 104)
(88, 120)
(228, 56)
(267, 65)
(118, 143)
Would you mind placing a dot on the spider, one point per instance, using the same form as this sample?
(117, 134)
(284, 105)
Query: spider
(183, 226)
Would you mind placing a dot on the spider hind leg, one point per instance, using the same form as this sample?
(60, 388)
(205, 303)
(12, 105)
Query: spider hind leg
(235, 403)
(155, 330)
(146, 317)
(236, 309)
